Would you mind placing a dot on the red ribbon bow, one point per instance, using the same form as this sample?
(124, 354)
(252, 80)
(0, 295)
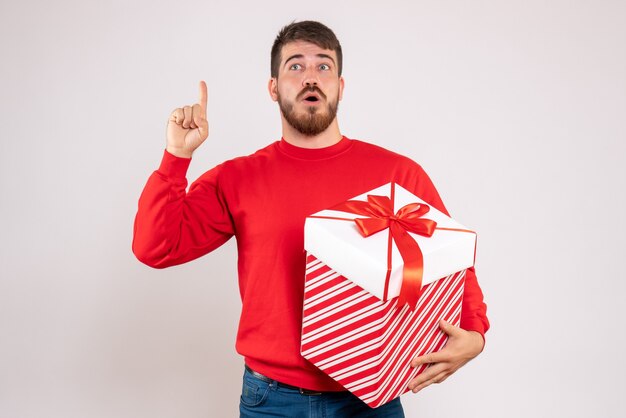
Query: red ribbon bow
(379, 210)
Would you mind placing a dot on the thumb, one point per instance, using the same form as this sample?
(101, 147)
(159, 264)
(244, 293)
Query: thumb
(448, 328)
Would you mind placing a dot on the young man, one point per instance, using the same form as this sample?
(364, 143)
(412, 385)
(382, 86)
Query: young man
(263, 200)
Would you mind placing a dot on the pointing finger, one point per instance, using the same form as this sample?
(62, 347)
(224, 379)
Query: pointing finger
(203, 95)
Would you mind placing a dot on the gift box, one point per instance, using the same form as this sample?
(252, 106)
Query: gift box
(378, 280)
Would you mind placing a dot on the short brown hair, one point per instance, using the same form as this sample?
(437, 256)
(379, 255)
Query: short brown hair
(309, 31)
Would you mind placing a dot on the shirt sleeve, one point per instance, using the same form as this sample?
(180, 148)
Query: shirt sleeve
(473, 308)
(173, 226)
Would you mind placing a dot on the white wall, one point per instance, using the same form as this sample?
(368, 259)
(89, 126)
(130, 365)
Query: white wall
(517, 110)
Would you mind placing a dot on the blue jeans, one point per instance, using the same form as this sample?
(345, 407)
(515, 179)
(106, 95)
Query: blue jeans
(265, 399)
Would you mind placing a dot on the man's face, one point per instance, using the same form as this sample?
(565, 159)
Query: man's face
(308, 87)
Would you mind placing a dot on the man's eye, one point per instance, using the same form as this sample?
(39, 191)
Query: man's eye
(295, 67)
(325, 67)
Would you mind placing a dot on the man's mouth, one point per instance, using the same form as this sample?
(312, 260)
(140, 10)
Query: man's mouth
(312, 95)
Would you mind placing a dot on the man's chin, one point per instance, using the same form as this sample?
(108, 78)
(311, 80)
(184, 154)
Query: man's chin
(308, 119)
(308, 108)
(313, 127)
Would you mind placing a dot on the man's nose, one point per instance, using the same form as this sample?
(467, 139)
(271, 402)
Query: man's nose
(310, 78)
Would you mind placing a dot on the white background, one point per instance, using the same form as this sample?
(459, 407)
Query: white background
(516, 109)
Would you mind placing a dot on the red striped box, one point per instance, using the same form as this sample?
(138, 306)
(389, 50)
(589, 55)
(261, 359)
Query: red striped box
(367, 344)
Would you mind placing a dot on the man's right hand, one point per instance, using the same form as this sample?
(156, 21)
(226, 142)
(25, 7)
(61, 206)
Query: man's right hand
(187, 127)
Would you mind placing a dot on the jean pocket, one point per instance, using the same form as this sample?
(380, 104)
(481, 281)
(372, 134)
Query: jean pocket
(254, 391)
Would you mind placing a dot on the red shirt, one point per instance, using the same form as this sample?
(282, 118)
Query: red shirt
(263, 199)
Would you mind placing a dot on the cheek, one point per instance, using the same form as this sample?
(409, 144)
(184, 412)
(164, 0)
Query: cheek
(332, 86)
(336, 91)
(288, 91)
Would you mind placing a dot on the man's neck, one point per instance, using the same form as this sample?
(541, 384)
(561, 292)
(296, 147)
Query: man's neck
(329, 137)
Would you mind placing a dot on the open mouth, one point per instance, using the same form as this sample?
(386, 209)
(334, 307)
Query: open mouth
(312, 99)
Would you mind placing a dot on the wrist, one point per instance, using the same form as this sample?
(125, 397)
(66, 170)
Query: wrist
(178, 152)
(479, 341)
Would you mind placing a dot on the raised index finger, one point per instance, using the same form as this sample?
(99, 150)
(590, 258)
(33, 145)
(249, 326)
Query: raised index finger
(203, 95)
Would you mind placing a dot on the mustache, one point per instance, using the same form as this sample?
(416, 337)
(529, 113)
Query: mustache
(311, 89)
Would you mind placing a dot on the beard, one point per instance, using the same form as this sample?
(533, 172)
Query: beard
(312, 122)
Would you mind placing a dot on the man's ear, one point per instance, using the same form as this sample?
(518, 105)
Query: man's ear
(341, 82)
(272, 87)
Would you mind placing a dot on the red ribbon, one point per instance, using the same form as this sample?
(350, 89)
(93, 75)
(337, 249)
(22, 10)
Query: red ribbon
(380, 216)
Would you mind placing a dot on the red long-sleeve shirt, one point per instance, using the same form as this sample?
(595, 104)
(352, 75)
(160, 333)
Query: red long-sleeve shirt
(263, 199)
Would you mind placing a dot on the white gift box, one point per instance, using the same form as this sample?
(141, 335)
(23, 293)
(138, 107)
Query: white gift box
(333, 237)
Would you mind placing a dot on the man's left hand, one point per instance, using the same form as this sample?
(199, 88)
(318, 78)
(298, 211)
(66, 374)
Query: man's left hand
(461, 347)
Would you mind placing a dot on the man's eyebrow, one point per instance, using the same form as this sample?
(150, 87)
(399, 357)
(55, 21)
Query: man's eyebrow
(326, 56)
(294, 57)
(302, 56)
